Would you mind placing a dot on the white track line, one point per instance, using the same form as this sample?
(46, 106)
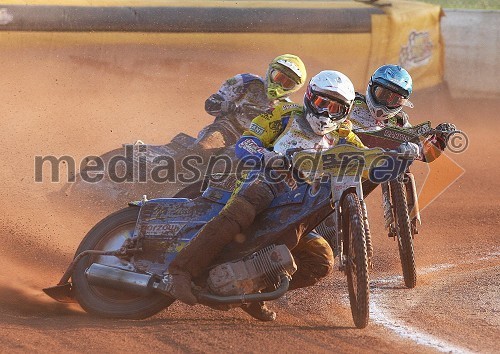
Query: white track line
(382, 315)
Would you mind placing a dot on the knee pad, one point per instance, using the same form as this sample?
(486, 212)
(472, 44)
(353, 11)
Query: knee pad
(315, 255)
(323, 269)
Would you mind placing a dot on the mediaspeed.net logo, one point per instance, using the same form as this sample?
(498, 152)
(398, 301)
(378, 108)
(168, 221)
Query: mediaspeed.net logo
(418, 51)
(136, 164)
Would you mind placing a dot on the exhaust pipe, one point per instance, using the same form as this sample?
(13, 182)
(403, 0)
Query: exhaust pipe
(206, 298)
(144, 284)
(119, 279)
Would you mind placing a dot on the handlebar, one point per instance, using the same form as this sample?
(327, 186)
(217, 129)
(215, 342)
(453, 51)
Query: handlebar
(400, 155)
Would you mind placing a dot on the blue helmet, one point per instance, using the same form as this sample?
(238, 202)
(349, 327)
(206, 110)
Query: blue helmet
(388, 91)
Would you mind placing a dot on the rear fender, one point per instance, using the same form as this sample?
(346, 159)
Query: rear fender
(165, 226)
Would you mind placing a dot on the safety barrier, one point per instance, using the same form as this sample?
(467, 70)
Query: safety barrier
(472, 63)
(353, 37)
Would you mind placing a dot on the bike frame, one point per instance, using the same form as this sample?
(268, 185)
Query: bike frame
(345, 177)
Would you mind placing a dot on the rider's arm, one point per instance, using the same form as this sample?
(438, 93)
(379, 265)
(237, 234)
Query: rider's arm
(229, 94)
(259, 137)
(350, 137)
(264, 130)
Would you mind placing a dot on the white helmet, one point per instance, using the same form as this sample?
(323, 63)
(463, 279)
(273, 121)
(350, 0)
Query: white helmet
(328, 100)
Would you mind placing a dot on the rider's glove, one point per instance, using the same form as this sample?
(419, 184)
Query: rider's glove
(228, 107)
(411, 149)
(445, 130)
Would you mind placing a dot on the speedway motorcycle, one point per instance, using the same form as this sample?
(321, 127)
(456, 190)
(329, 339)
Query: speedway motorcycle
(120, 267)
(399, 195)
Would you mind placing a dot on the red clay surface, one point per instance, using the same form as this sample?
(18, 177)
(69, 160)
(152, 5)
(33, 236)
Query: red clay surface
(84, 100)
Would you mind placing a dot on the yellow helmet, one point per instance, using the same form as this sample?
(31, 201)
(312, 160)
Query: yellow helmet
(285, 75)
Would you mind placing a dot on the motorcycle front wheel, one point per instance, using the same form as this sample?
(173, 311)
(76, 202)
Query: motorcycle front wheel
(357, 260)
(403, 232)
(109, 234)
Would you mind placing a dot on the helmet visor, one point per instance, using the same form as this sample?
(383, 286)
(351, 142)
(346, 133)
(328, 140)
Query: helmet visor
(335, 109)
(282, 79)
(389, 98)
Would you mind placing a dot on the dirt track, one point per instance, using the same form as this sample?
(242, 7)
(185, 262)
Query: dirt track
(83, 100)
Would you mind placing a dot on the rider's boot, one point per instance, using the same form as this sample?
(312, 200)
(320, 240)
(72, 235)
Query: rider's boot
(205, 247)
(259, 311)
(181, 287)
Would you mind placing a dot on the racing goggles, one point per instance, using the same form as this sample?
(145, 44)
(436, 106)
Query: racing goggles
(388, 98)
(282, 79)
(336, 110)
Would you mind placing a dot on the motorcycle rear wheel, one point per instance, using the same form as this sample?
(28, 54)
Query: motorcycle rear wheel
(109, 234)
(191, 191)
(403, 232)
(357, 260)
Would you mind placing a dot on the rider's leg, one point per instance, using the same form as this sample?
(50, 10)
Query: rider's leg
(237, 215)
(314, 258)
(412, 200)
(221, 133)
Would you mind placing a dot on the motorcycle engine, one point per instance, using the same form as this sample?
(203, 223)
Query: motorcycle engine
(252, 274)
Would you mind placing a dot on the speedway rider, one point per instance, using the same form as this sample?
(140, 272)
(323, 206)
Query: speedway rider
(245, 96)
(240, 99)
(327, 102)
(387, 93)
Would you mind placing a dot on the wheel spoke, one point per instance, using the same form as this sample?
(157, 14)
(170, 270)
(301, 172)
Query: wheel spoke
(357, 260)
(109, 234)
(403, 232)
